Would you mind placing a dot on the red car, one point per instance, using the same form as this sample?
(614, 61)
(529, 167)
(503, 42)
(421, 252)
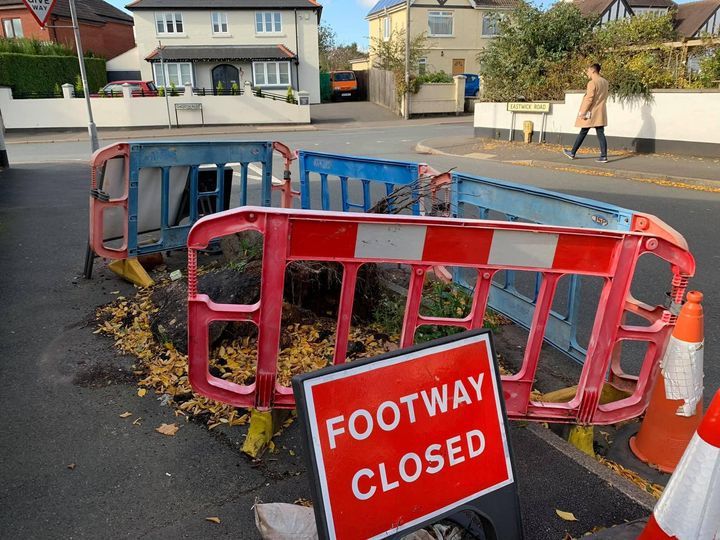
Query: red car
(138, 89)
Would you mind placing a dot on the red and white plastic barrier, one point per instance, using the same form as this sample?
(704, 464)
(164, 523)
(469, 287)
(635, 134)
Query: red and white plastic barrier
(689, 508)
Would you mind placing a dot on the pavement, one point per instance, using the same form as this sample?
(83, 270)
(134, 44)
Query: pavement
(64, 387)
(694, 171)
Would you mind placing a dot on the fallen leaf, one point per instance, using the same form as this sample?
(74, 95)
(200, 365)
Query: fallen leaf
(126, 414)
(136, 422)
(71, 466)
(142, 392)
(168, 429)
(567, 516)
(213, 519)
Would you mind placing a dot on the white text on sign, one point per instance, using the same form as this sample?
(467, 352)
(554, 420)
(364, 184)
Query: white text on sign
(390, 414)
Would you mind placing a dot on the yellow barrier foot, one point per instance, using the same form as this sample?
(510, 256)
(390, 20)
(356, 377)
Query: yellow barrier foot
(132, 270)
(263, 425)
(581, 437)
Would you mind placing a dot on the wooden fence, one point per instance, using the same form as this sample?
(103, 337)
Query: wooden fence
(381, 89)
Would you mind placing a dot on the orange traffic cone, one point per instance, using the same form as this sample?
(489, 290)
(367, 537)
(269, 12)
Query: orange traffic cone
(689, 508)
(675, 409)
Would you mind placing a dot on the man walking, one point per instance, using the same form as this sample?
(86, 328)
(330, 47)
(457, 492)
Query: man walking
(593, 113)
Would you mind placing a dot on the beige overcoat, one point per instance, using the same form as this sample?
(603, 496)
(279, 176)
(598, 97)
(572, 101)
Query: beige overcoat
(595, 101)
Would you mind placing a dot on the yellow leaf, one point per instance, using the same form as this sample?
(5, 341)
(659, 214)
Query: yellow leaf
(567, 516)
(126, 414)
(213, 519)
(142, 392)
(168, 429)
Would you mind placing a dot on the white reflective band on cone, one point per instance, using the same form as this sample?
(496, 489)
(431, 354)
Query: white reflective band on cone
(689, 508)
(682, 368)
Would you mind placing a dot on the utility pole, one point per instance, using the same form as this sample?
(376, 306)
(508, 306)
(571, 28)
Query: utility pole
(92, 130)
(165, 83)
(406, 112)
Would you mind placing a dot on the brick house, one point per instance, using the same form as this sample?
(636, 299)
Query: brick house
(105, 30)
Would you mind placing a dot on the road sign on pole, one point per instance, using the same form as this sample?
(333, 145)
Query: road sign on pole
(40, 9)
(408, 439)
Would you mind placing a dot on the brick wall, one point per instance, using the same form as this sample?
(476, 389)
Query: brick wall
(108, 40)
(31, 29)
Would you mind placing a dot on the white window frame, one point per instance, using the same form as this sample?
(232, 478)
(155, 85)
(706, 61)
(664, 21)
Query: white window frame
(263, 67)
(386, 28)
(166, 75)
(654, 11)
(172, 17)
(443, 15)
(14, 24)
(498, 17)
(273, 18)
(219, 19)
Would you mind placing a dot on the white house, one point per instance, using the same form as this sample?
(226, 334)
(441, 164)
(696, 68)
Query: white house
(271, 43)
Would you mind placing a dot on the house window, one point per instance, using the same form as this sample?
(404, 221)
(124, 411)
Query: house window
(219, 22)
(268, 22)
(169, 22)
(422, 66)
(177, 73)
(491, 24)
(440, 23)
(387, 28)
(271, 73)
(12, 28)
(655, 12)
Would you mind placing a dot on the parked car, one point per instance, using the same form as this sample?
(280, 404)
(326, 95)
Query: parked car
(472, 84)
(137, 88)
(344, 84)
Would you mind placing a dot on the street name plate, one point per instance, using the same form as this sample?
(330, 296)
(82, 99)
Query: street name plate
(536, 107)
(188, 106)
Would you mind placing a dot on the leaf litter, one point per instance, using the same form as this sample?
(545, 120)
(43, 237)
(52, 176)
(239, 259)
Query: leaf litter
(306, 347)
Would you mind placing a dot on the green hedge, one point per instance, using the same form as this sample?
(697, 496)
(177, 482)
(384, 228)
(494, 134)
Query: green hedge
(31, 73)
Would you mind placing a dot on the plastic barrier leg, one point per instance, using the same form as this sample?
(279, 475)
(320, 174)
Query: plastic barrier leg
(133, 271)
(263, 425)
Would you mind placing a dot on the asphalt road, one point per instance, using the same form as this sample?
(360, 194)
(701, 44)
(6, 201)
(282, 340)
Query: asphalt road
(71, 468)
(695, 214)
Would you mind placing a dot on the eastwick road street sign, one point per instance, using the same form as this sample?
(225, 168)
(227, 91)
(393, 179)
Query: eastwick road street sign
(40, 9)
(409, 438)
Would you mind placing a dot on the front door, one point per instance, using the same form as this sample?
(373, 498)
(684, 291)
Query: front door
(226, 75)
(458, 66)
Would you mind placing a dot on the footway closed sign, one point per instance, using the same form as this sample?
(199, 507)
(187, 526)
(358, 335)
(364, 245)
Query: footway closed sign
(406, 438)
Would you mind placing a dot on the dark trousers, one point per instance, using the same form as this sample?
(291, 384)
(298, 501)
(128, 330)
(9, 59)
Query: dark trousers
(600, 131)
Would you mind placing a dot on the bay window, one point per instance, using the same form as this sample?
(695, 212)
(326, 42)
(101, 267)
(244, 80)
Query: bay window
(271, 74)
(177, 73)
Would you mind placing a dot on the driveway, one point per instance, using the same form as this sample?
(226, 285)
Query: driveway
(349, 112)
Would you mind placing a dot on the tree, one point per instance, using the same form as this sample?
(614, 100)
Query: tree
(536, 54)
(389, 54)
(339, 57)
(326, 43)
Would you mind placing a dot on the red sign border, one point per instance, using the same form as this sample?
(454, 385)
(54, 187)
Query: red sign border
(32, 12)
(302, 385)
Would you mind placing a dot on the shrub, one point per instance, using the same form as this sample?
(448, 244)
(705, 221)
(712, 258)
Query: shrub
(437, 77)
(173, 89)
(32, 73)
(258, 92)
(220, 88)
(161, 91)
(235, 89)
(710, 68)
(290, 96)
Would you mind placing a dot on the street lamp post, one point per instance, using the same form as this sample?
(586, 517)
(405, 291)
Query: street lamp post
(92, 129)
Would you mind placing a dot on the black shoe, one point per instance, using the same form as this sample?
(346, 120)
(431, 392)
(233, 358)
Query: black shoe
(568, 154)
(602, 160)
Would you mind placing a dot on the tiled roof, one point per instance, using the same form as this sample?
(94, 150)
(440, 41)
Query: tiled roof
(592, 7)
(652, 3)
(691, 16)
(224, 4)
(190, 53)
(95, 11)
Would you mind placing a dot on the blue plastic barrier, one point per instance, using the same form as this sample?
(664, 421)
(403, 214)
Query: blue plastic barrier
(367, 171)
(144, 177)
(517, 202)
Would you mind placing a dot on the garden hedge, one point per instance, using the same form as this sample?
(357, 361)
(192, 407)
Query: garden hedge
(31, 73)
